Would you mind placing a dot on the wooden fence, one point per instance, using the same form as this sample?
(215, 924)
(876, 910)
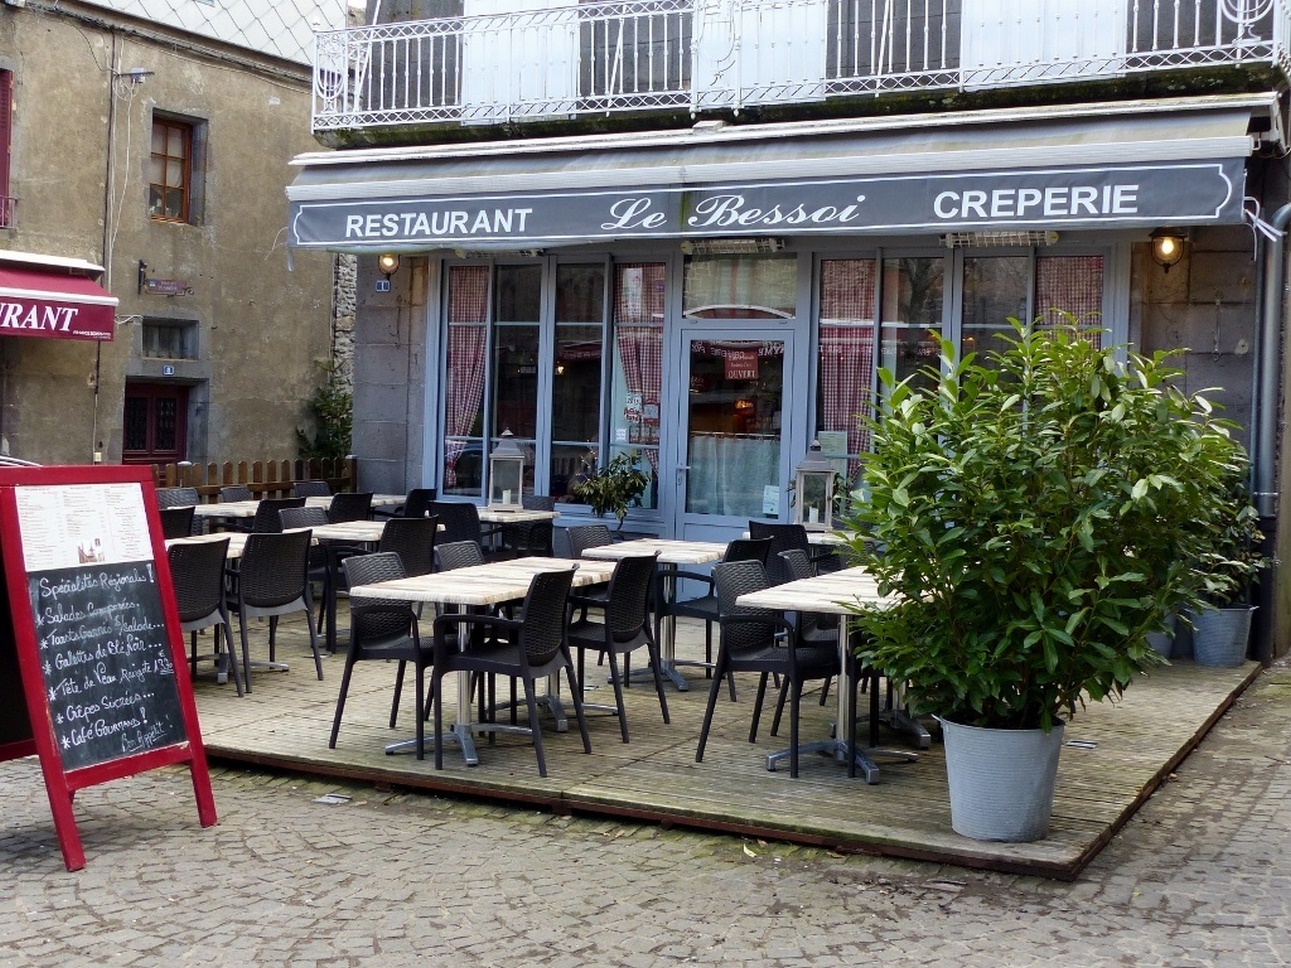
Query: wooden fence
(265, 478)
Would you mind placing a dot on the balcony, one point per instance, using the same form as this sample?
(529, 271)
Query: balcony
(563, 61)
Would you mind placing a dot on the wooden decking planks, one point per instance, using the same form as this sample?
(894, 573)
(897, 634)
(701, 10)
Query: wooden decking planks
(1132, 746)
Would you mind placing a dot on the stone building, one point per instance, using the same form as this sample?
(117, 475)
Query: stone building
(693, 230)
(145, 148)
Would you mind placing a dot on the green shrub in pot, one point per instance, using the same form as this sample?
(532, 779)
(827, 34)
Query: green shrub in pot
(615, 487)
(1040, 513)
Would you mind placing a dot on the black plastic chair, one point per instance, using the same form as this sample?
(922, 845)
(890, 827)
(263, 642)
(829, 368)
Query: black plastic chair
(704, 607)
(311, 489)
(813, 626)
(580, 538)
(176, 497)
(461, 522)
(457, 554)
(762, 641)
(272, 580)
(267, 520)
(413, 540)
(387, 631)
(523, 538)
(197, 574)
(236, 492)
(628, 626)
(418, 503)
(176, 522)
(786, 537)
(527, 648)
(350, 506)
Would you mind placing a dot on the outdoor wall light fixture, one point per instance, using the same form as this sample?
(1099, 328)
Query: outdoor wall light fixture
(388, 263)
(1167, 247)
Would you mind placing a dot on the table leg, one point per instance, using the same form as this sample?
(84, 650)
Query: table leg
(461, 732)
(667, 640)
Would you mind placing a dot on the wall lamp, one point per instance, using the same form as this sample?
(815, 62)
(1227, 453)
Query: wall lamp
(1167, 247)
(388, 263)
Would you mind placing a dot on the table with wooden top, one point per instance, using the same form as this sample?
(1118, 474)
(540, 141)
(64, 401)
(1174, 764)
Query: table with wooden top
(833, 593)
(478, 586)
(672, 553)
(237, 541)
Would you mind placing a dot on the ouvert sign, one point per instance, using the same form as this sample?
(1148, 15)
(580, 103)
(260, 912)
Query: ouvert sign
(1106, 196)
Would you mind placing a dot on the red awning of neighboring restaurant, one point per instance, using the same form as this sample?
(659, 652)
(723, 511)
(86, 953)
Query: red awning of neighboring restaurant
(54, 299)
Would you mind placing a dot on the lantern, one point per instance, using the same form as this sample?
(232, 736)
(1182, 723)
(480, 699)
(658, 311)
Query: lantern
(814, 489)
(506, 473)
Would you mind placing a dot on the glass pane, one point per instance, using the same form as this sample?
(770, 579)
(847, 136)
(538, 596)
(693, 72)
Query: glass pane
(174, 174)
(638, 360)
(519, 294)
(995, 290)
(135, 430)
(913, 294)
(576, 383)
(175, 142)
(846, 363)
(174, 203)
(1070, 284)
(156, 204)
(515, 381)
(733, 444)
(468, 298)
(740, 287)
(580, 294)
(167, 423)
(158, 139)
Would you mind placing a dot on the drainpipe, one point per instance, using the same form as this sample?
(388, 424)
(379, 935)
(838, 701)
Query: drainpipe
(1267, 380)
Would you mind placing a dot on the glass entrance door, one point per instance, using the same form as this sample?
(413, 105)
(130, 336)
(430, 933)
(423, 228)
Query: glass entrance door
(732, 464)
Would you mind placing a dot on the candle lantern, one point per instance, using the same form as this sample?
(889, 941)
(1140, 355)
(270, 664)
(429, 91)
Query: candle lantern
(814, 490)
(506, 473)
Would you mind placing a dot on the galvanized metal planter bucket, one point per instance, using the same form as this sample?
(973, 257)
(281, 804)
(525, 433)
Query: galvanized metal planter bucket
(1001, 780)
(1220, 635)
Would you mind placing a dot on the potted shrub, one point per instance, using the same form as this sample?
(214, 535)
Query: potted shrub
(1221, 625)
(615, 487)
(1038, 514)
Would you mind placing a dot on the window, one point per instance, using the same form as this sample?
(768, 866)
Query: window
(170, 171)
(7, 201)
(169, 339)
(155, 423)
(846, 360)
(740, 287)
(913, 300)
(526, 351)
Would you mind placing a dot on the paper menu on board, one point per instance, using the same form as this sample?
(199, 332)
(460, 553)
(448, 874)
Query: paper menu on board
(64, 526)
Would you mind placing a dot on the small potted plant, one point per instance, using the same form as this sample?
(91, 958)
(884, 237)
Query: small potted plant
(615, 487)
(1221, 625)
(1036, 516)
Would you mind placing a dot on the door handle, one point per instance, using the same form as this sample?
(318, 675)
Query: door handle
(682, 470)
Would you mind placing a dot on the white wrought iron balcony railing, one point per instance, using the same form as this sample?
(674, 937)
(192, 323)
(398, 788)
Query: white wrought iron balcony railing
(495, 63)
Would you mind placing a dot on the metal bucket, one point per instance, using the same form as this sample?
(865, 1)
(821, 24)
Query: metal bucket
(1001, 780)
(1220, 635)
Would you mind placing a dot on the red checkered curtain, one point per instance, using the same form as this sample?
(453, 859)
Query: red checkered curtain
(847, 348)
(638, 336)
(1070, 284)
(468, 305)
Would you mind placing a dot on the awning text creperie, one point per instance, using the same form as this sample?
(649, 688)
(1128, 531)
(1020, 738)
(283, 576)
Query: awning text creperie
(1105, 196)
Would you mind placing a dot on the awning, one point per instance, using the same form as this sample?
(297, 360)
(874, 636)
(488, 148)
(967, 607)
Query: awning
(50, 297)
(1138, 164)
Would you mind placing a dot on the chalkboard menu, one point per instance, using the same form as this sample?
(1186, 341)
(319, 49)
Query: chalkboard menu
(88, 621)
(106, 658)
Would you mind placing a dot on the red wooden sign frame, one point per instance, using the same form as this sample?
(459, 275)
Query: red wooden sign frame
(61, 784)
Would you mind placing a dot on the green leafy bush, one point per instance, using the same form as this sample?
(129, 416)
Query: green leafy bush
(615, 487)
(1038, 516)
(333, 408)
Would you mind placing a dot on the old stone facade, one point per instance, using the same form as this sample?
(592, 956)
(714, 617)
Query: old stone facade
(157, 145)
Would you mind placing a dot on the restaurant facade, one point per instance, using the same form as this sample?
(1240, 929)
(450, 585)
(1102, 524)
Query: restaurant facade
(714, 289)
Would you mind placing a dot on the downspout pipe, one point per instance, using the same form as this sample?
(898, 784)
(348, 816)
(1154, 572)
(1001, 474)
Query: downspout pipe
(1267, 381)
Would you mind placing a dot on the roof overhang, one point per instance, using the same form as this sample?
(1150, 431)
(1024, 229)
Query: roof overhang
(54, 298)
(1137, 164)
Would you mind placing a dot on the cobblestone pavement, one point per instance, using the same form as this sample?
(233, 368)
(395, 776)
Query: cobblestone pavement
(1200, 876)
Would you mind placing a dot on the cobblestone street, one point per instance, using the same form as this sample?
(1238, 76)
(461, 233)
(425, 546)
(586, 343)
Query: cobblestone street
(1200, 876)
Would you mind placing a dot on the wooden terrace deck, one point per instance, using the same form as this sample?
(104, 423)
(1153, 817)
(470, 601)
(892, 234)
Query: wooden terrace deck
(1122, 752)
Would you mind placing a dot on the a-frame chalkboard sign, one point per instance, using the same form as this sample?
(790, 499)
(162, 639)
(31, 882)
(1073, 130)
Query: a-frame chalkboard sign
(93, 672)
